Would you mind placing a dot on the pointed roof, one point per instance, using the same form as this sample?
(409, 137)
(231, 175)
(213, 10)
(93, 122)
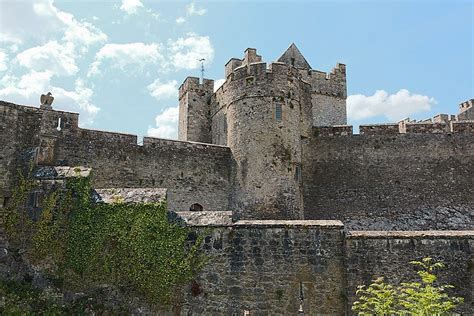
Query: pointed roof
(293, 56)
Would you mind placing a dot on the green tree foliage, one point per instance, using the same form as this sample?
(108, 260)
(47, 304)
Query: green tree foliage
(84, 244)
(421, 298)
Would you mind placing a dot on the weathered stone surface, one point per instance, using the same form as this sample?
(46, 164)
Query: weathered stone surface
(373, 254)
(192, 172)
(391, 182)
(260, 266)
(131, 195)
(206, 218)
(60, 172)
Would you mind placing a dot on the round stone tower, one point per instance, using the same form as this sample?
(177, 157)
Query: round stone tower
(268, 116)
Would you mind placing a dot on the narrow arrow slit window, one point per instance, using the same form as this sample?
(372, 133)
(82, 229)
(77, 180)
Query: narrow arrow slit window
(278, 112)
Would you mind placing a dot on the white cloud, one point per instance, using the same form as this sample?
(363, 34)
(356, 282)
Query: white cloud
(3, 61)
(192, 10)
(84, 34)
(166, 124)
(218, 83)
(39, 20)
(28, 88)
(131, 6)
(77, 100)
(394, 106)
(161, 90)
(52, 56)
(186, 52)
(121, 55)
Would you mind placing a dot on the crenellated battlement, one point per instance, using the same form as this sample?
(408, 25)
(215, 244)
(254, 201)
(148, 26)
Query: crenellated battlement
(392, 129)
(193, 84)
(48, 126)
(336, 130)
(256, 70)
(379, 129)
(329, 84)
(466, 105)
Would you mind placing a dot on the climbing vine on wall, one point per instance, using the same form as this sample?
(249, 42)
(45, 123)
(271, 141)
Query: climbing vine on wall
(131, 246)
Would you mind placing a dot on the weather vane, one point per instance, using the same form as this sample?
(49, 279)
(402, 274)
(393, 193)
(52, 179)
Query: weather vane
(202, 68)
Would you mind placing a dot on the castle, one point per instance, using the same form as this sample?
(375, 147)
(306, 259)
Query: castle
(301, 209)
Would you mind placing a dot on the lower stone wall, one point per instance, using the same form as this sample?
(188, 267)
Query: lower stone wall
(260, 266)
(372, 254)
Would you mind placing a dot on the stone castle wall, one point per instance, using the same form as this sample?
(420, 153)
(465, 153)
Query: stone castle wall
(328, 95)
(263, 266)
(369, 255)
(192, 172)
(386, 181)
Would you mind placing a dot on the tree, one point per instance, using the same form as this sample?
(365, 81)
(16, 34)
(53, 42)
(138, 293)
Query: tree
(412, 298)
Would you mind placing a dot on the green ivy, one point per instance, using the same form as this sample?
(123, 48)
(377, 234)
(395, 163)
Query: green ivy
(84, 244)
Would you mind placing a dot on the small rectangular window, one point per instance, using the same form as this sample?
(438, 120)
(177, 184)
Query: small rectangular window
(298, 173)
(278, 112)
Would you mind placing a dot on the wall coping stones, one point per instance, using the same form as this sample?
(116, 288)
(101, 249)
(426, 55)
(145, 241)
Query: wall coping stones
(34, 108)
(432, 234)
(132, 195)
(147, 141)
(61, 172)
(290, 223)
(206, 218)
(270, 223)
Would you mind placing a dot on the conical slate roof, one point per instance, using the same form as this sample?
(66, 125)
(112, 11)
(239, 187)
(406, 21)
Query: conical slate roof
(293, 56)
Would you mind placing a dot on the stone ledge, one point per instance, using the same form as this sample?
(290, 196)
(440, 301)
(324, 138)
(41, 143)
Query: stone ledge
(431, 234)
(206, 218)
(264, 223)
(131, 195)
(290, 223)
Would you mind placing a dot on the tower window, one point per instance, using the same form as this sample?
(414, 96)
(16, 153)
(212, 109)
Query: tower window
(278, 112)
(298, 173)
(292, 61)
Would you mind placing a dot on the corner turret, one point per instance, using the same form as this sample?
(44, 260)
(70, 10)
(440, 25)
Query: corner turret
(194, 110)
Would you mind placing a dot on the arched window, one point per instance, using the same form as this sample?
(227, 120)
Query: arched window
(196, 207)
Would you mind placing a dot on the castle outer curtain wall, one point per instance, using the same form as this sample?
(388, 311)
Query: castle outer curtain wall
(192, 172)
(390, 182)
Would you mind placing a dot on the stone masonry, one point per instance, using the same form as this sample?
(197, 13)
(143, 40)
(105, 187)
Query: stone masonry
(296, 209)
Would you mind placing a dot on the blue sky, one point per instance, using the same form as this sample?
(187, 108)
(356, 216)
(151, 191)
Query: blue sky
(119, 63)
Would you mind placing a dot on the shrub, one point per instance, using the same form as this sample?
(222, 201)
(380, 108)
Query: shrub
(414, 298)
